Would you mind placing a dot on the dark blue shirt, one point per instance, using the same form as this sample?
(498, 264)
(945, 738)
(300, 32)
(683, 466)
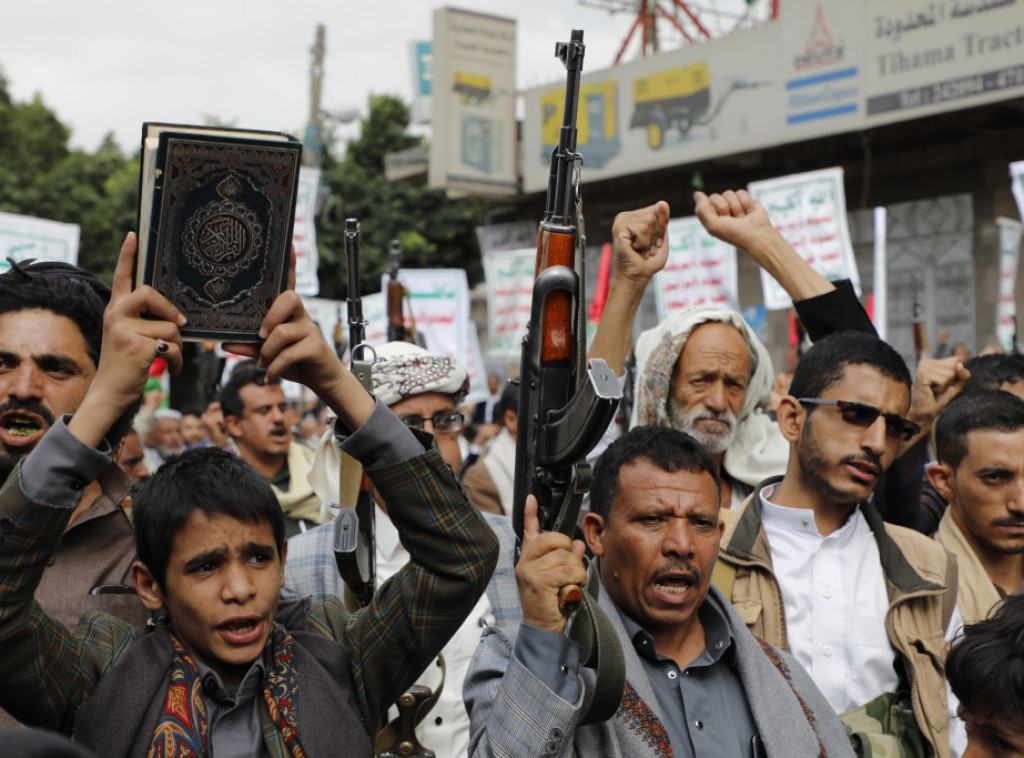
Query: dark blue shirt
(704, 707)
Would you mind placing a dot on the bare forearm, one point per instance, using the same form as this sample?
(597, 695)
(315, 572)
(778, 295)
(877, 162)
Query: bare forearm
(611, 342)
(737, 218)
(778, 258)
(349, 400)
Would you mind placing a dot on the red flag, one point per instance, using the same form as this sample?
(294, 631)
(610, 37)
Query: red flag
(604, 272)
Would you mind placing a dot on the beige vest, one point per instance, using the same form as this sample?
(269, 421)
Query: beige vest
(299, 502)
(921, 581)
(978, 593)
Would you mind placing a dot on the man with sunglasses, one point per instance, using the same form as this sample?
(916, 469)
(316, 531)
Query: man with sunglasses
(811, 567)
(425, 391)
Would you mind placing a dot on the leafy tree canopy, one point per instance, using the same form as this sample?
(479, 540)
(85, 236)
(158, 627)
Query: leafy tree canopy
(434, 230)
(41, 176)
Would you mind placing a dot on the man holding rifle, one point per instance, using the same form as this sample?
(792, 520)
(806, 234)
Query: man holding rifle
(697, 683)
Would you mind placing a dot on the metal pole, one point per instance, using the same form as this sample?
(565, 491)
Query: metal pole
(314, 141)
(881, 280)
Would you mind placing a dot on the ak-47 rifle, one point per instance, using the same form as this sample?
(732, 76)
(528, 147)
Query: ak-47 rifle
(354, 527)
(917, 325)
(339, 335)
(564, 404)
(395, 296)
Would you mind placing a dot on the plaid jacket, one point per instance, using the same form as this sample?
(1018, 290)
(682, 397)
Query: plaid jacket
(311, 570)
(47, 671)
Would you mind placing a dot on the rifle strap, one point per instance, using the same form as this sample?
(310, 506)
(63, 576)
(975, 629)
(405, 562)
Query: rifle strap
(600, 650)
(581, 272)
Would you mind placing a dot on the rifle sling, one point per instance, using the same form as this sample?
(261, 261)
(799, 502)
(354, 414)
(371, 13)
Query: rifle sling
(600, 650)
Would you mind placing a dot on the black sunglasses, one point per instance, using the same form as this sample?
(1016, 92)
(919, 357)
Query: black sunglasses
(864, 415)
(443, 423)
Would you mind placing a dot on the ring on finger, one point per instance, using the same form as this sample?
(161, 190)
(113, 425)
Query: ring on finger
(162, 347)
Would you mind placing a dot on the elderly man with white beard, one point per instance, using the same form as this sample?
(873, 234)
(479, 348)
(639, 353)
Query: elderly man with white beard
(703, 370)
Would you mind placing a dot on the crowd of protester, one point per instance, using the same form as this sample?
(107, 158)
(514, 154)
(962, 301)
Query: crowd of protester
(783, 561)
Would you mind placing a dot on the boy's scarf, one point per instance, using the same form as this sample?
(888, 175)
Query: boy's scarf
(182, 729)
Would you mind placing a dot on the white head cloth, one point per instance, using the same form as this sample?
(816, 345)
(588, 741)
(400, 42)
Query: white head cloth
(402, 369)
(759, 450)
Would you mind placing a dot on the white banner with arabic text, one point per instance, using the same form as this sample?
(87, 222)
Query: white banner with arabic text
(701, 270)
(809, 210)
(1006, 306)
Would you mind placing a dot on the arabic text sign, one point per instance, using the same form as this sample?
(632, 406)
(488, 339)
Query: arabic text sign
(1017, 185)
(439, 300)
(701, 270)
(1006, 307)
(304, 234)
(509, 275)
(24, 237)
(809, 210)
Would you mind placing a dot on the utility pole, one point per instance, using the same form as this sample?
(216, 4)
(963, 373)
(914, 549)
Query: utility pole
(314, 141)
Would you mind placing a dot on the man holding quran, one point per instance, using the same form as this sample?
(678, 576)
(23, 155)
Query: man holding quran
(225, 669)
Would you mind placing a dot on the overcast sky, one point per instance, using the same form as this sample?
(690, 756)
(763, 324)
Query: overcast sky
(109, 65)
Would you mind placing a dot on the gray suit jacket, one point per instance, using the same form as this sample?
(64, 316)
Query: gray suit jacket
(513, 713)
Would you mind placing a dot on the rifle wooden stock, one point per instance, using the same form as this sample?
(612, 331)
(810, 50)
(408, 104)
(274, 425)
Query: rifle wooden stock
(395, 295)
(569, 599)
(396, 322)
(556, 248)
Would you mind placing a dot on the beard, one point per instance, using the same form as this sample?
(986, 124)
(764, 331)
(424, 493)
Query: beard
(813, 467)
(168, 450)
(715, 437)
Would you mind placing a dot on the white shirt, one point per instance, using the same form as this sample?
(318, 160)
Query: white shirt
(835, 601)
(489, 404)
(450, 737)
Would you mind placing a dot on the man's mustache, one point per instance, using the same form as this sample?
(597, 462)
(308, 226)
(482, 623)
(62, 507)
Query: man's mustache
(677, 567)
(865, 457)
(1014, 520)
(27, 406)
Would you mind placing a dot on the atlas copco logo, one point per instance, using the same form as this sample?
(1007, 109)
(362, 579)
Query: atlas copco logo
(820, 48)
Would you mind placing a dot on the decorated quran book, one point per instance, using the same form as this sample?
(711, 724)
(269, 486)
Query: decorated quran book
(216, 210)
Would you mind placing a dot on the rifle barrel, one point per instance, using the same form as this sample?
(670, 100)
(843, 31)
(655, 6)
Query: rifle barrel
(564, 156)
(355, 304)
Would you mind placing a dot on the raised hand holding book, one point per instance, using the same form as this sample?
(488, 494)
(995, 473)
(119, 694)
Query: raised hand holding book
(216, 211)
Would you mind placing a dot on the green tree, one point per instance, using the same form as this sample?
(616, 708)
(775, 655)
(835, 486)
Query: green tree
(434, 230)
(41, 176)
